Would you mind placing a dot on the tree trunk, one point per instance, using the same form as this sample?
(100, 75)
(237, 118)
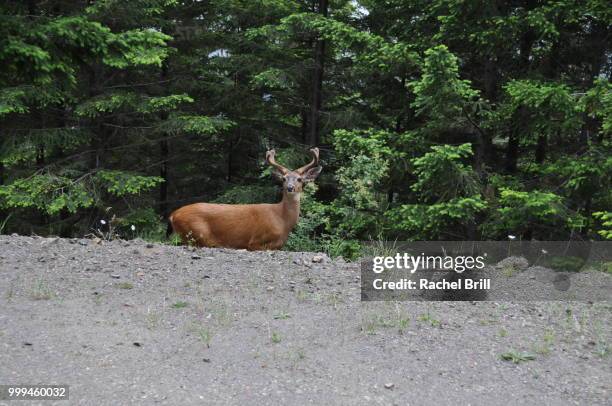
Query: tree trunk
(230, 149)
(163, 173)
(540, 153)
(163, 152)
(512, 151)
(317, 83)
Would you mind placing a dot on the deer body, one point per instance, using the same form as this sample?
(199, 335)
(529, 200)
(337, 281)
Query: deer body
(247, 226)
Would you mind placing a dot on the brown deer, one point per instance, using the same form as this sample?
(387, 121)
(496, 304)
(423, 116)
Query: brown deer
(250, 226)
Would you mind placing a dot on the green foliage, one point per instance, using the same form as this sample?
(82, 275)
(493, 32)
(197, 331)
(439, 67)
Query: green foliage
(122, 183)
(47, 193)
(441, 174)
(439, 220)
(440, 93)
(606, 223)
(143, 223)
(552, 108)
(442, 119)
(597, 103)
(519, 211)
(247, 194)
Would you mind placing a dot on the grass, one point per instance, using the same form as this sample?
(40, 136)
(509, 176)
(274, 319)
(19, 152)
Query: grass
(3, 223)
(275, 337)
(205, 336)
(282, 315)
(41, 291)
(502, 332)
(125, 285)
(180, 305)
(10, 293)
(372, 324)
(152, 319)
(548, 339)
(517, 357)
(428, 318)
(402, 324)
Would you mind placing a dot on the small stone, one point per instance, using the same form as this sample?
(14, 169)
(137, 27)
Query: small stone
(140, 273)
(83, 242)
(137, 344)
(149, 245)
(195, 256)
(317, 259)
(389, 385)
(270, 288)
(115, 276)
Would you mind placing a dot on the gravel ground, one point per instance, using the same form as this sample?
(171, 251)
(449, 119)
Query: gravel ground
(136, 323)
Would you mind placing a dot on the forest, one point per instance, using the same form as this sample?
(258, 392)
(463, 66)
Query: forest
(436, 120)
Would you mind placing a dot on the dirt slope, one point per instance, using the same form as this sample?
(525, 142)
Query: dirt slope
(131, 322)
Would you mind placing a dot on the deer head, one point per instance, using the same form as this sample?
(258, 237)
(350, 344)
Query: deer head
(294, 181)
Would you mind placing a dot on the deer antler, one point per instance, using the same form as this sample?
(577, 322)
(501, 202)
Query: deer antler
(312, 164)
(270, 160)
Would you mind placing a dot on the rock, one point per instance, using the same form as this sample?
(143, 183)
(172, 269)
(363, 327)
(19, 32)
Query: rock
(149, 245)
(195, 256)
(270, 288)
(317, 259)
(83, 242)
(115, 276)
(389, 385)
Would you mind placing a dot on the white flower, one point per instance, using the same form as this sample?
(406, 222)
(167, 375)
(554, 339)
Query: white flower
(103, 222)
(133, 227)
(512, 237)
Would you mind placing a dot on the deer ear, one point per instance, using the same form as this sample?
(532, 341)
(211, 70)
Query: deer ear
(278, 175)
(312, 173)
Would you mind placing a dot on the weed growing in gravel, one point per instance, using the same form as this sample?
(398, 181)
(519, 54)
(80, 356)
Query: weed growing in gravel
(180, 305)
(334, 299)
(125, 285)
(152, 319)
(402, 324)
(371, 324)
(545, 346)
(10, 293)
(282, 315)
(174, 239)
(502, 332)
(205, 335)
(220, 310)
(275, 337)
(302, 295)
(41, 291)
(427, 317)
(517, 357)
(602, 348)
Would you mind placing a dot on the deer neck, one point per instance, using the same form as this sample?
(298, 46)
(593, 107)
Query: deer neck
(290, 209)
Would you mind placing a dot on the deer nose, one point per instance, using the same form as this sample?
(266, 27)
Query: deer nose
(290, 188)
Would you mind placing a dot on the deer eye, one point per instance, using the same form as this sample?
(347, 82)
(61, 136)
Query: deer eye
(299, 179)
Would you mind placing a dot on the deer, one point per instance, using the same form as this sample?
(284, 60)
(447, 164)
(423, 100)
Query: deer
(253, 227)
